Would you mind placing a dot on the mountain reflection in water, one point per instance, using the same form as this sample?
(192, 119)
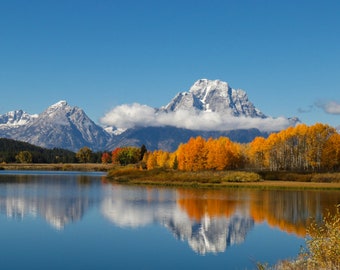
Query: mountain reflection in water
(135, 206)
(56, 199)
(208, 220)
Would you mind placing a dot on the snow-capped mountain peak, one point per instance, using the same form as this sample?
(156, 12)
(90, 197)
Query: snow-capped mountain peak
(60, 125)
(208, 106)
(216, 96)
(16, 118)
(204, 86)
(65, 125)
(57, 107)
(59, 104)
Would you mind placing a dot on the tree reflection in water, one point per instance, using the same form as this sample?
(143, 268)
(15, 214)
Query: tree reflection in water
(208, 220)
(212, 220)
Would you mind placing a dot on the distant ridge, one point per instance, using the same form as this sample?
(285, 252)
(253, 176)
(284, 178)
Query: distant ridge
(68, 127)
(60, 125)
(168, 138)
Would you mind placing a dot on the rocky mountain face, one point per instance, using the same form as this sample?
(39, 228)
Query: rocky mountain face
(168, 138)
(214, 96)
(64, 126)
(15, 119)
(60, 125)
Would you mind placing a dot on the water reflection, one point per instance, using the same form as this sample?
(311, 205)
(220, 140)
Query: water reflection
(221, 219)
(210, 221)
(59, 199)
(291, 211)
(136, 206)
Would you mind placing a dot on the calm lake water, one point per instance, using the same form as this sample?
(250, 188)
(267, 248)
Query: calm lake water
(73, 220)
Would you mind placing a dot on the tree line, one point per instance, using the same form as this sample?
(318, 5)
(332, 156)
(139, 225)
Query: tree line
(301, 148)
(12, 151)
(18, 151)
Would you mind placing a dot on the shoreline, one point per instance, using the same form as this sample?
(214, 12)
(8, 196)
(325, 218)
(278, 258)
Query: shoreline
(263, 184)
(88, 167)
(203, 179)
(216, 179)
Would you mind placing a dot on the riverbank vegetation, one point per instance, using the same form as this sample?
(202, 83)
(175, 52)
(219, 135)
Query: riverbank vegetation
(56, 166)
(296, 149)
(301, 154)
(322, 247)
(133, 175)
(216, 179)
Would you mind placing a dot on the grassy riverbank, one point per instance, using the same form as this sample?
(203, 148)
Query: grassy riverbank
(322, 246)
(57, 167)
(216, 179)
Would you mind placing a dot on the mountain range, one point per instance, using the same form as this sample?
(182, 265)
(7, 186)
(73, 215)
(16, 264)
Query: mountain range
(214, 96)
(64, 126)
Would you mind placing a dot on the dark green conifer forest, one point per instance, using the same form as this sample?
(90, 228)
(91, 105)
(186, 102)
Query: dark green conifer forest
(9, 150)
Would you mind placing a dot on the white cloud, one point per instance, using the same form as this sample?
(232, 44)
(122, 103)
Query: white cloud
(330, 107)
(128, 116)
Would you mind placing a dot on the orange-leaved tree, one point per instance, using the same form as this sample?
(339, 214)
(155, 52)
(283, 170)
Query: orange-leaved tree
(106, 158)
(331, 153)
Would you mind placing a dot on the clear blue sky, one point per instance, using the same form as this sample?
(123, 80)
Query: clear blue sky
(100, 54)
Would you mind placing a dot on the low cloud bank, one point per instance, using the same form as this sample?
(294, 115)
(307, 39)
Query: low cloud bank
(330, 107)
(137, 115)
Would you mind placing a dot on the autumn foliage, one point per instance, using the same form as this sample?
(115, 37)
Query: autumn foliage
(106, 158)
(124, 155)
(300, 148)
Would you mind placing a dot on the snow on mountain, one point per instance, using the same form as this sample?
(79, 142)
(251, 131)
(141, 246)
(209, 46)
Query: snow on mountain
(61, 125)
(210, 108)
(114, 131)
(214, 96)
(208, 105)
(16, 118)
